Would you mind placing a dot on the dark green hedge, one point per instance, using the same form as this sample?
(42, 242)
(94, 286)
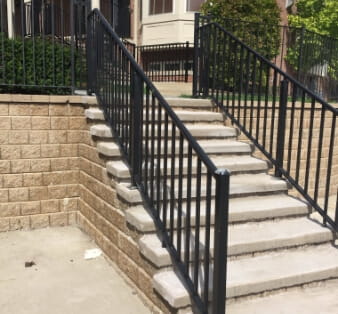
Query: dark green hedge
(35, 66)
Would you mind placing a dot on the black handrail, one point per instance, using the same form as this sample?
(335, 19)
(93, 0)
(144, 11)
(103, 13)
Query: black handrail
(154, 141)
(292, 126)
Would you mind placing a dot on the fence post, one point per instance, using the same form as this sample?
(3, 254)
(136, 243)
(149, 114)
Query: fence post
(136, 125)
(72, 36)
(300, 57)
(281, 126)
(186, 62)
(220, 241)
(196, 59)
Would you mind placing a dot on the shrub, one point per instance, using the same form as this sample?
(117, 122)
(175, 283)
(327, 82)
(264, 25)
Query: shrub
(35, 66)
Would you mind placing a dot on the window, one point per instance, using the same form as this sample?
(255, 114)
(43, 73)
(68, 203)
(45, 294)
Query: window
(160, 6)
(194, 5)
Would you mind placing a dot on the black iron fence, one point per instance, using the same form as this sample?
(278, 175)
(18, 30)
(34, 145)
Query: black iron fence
(168, 166)
(293, 127)
(167, 62)
(42, 45)
(309, 57)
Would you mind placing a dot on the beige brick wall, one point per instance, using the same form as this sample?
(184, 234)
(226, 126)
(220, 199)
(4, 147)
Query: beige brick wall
(39, 160)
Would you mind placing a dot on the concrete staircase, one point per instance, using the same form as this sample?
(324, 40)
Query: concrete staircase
(273, 244)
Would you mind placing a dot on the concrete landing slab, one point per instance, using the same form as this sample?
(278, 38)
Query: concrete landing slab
(309, 300)
(61, 281)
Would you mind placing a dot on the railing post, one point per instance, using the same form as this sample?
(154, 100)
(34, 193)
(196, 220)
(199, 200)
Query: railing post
(281, 126)
(136, 125)
(72, 36)
(300, 56)
(186, 62)
(196, 59)
(220, 241)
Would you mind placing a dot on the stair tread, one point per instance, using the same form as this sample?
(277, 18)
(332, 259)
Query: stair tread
(266, 272)
(240, 184)
(246, 238)
(94, 114)
(234, 164)
(309, 300)
(240, 209)
(110, 149)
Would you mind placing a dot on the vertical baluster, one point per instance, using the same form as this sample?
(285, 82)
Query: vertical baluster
(309, 146)
(188, 211)
(180, 197)
(206, 265)
(329, 167)
(172, 182)
(319, 152)
(197, 225)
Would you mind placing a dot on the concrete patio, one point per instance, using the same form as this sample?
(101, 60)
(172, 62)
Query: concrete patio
(61, 281)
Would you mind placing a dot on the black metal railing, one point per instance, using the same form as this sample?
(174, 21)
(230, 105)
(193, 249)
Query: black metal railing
(310, 57)
(186, 194)
(293, 127)
(42, 46)
(167, 62)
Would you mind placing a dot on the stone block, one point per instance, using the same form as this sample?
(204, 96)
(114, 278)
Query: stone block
(59, 220)
(5, 166)
(57, 137)
(40, 123)
(40, 165)
(19, 223)
(40, 110)
(57, 191)
(10, 152)
(3, 109)
(50, 150)
(10, 209)
(32, 179)
(38, 137)
(12, 180)
(50, 206)
(18, 194)
(18, 137)
(30, 208)
(77, 123)
(38, 193)
(5, 123)
(39, 221)
(30, 151)
(21, 123)
(19, 109)
(59, 123)
(4, 224)
(3, 195)
(58, 110)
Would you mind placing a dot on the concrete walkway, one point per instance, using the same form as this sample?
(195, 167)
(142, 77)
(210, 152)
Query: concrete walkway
(61, 281)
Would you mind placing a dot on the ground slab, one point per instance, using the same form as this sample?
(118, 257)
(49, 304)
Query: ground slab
(61, 281)
(321, 298)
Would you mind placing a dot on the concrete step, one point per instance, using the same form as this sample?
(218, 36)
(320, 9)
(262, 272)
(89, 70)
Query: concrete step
(211, 147)
(243, 209)
(184, 115)
(272, 271)
(319, 298)
(240, 185)
(187, 116)
(190, 103)
(242, 164)
(244, 239)
(101, 130)
(108, 149)
(94, 114)
(197, 130)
